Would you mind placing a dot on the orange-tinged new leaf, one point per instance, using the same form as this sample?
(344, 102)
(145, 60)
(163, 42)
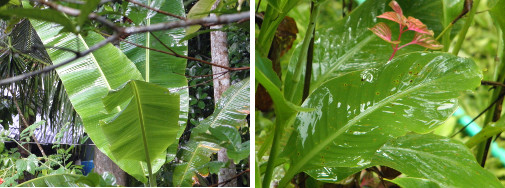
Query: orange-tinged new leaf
(416, 25)
(383, 31)
(395, 17)
(426, 41)
(396, 7)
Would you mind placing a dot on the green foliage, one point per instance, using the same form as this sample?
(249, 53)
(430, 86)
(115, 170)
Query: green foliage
(368, 111)
(199, 10)
(72, 180)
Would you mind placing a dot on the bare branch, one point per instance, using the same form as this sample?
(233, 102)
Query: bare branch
(156, 10)
(207, 21)
(52, 67)
(181, 56)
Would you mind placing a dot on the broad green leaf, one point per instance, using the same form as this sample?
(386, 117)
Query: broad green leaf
(348, 45)
(231, 109)
(195, 156)
(146, 127)
(408, 182)
(85, 10)
(488, 132)
(333, 174)
(443, 161)
(48, 15)
(58, 180)
(89, 79)
(159, 68)
(199, 10)
(413, 92)
(230, 113)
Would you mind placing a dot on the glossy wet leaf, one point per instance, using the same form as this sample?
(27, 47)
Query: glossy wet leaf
(348, 45)
(333, 174)
(408, 182)
(146, 127)
(357, 113)
(443, 161)
(195, 156)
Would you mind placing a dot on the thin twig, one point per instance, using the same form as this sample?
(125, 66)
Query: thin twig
(492, 83)
(181, 56)
(228, 180)
(480, 114)
(207, 21)
(156, 10)
(52, 67)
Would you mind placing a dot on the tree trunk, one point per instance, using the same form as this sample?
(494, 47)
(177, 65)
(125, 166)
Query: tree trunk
(104, 164)
(219, 52)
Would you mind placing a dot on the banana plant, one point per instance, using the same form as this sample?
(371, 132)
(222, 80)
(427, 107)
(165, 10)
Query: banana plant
(217, 131)
(156, 67)
(90, 79)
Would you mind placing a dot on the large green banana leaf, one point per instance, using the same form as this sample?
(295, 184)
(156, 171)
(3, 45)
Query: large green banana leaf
(146, 127)
(349, 45)
(413, 92)
(156, 67)
(89, 79)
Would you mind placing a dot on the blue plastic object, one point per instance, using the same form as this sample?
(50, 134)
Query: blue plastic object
(473, 129)
(88, 166)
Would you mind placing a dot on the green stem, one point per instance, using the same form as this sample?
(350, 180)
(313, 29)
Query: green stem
(464, 30)
(273, 153)
(304, 49)
(257, 173)
(483, 147)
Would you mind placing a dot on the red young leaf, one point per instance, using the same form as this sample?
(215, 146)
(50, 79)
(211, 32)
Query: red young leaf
(396, 7)
(395, 17)
(416, 25)
(426, 41)
(382, 30)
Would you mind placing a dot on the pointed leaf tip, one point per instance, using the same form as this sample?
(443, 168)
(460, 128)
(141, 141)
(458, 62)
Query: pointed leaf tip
(383, 31)
(396, 7)
(426, 41)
